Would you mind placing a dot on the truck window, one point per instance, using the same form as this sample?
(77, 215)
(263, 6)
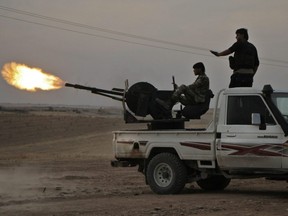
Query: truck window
(281, 101)
(240, 108)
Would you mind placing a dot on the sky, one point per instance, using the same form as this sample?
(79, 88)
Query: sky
(102, 43)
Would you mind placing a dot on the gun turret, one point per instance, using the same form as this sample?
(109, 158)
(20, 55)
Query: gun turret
(144, 99)
(140, 99)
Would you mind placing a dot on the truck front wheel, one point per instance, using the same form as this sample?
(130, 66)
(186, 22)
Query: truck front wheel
(217, 182)
(166, 174)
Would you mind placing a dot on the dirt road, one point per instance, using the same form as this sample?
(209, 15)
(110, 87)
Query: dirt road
(59, 164)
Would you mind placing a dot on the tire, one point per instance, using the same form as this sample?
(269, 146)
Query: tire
(212, 183)
(166, 174)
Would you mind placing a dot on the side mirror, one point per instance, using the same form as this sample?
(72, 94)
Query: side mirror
(257, 119)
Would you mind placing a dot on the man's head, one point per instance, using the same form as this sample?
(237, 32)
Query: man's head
(241, 34)
(199, 68)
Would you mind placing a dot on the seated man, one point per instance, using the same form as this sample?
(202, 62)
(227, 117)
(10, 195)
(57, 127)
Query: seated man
(190, 94)
(194, 93)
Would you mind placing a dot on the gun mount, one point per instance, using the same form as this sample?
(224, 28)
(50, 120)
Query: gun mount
(141, 97)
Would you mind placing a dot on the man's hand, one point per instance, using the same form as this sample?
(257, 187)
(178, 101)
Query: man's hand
(214, 53)
(175, 86)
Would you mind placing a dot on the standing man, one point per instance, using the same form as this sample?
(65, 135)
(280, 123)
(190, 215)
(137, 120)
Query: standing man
(245, 61)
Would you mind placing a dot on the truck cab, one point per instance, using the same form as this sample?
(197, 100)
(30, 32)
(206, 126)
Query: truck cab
(251, 133)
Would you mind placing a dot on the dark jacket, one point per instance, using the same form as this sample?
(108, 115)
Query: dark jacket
(245, 56)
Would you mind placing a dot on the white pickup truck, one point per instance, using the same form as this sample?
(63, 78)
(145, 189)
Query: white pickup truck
(247, 138)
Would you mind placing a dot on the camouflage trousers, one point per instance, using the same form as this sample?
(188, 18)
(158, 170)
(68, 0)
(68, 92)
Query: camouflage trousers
(183, 95)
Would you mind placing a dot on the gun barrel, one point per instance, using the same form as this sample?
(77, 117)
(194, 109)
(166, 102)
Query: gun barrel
(79, 86)
(69, 85)
(103, 92)
(93, 89)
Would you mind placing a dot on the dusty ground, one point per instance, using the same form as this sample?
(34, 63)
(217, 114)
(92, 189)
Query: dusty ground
(58, 163)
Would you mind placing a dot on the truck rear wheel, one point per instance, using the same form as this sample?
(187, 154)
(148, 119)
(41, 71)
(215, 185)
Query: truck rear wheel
(166, 174)
(217, 182)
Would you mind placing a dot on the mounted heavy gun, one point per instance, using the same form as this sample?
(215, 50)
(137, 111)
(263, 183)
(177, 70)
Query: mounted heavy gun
(141, 100)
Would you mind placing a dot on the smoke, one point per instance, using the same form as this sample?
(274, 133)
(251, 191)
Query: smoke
(21, 183)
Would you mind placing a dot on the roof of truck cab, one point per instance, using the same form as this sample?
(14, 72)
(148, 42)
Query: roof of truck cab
(242, 90)
(248, 90)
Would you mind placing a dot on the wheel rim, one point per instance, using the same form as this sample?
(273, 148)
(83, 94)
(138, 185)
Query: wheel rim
(163, 175)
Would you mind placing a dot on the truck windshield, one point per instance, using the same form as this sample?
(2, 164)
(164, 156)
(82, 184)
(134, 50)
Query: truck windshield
(281, 101)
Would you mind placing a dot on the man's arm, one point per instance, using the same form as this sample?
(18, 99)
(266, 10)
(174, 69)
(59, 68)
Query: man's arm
(255, 69)
(199, 82)
(256, 62)
(223, 53)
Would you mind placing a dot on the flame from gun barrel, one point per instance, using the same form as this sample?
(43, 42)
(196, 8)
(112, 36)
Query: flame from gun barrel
(30, 79)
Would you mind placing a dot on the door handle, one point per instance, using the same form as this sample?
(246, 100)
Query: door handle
(231, 135)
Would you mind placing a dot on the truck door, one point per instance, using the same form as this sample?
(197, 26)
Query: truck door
(243, 145)
(281, 101)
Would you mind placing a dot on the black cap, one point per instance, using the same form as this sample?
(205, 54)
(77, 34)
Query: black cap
(199, 65)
